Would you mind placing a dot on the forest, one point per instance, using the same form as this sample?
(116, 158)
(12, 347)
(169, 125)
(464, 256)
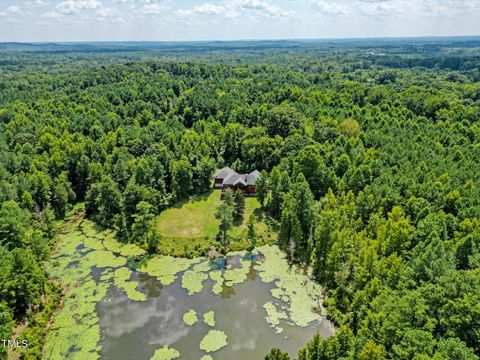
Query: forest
(369, 153)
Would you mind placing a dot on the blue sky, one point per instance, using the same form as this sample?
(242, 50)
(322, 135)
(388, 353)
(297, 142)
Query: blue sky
(166, 20)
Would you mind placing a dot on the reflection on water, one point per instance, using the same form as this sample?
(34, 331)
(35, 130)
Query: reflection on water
(149, 285)
(134, 330)
(227, 292)
(252, 274)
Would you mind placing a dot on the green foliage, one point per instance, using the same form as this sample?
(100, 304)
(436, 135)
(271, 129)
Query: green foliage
(24, 280)
(6, 322)
(276, 354)
(369, 166)
(251, 234)
(142, 227)
(14, 222)
(239, 207)
(262, 188)
(181, 171)
(225, 213)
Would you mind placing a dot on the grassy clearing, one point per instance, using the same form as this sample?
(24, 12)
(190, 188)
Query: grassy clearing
(189, 228)
(195, 218)
(191, 219)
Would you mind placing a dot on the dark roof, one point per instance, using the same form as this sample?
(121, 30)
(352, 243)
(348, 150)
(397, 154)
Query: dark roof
(235, 179)
(253, 177)
(224, 173)
(230, 177)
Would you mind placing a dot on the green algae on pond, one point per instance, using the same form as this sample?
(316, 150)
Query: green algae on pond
(192, 281)
(273, 315)
(237, 275)
(297, 289)
(209, 318)
(165, 353)
(217, 277)
(75, 331)
(213, 341)
(166, 268)
(190, 317)
(101, 273)
(121, 279)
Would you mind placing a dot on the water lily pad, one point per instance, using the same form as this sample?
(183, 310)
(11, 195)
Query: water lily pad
(213, 341)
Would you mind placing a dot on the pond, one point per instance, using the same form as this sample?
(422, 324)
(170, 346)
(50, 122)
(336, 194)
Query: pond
(125, 305)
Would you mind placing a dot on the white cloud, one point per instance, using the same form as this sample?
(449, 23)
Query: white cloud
(40, 3)
(151, 9)
(209, 9)
(265, 8)
(451, 7)
(13, 14)
(330, 8)
(159, 19)
(85, 11)
(382, 8)
(11, 10)
(73, 7)
(236, 8)
(204, 9)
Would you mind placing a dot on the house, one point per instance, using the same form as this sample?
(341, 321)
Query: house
(227, 178)
(221, 175)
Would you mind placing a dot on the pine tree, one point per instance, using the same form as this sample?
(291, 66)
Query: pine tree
(278, 193)
(225, 215)
(239, 200)
(304, 204)
(262, 188)
(142, 223)
(290, 228)
(251, 234)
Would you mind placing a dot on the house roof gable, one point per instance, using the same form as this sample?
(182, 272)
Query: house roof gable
(230, 177)
(224, 173)
(253, 177)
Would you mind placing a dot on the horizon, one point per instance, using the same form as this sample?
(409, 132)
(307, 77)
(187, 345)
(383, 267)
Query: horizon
(213, 40)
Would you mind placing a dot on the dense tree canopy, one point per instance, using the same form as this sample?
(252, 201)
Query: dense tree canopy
(370, 168)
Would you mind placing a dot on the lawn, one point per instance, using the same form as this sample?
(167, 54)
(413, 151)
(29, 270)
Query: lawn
(195, 218)
(189, 228)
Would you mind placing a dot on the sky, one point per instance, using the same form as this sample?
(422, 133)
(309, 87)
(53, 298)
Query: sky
(186, 20)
